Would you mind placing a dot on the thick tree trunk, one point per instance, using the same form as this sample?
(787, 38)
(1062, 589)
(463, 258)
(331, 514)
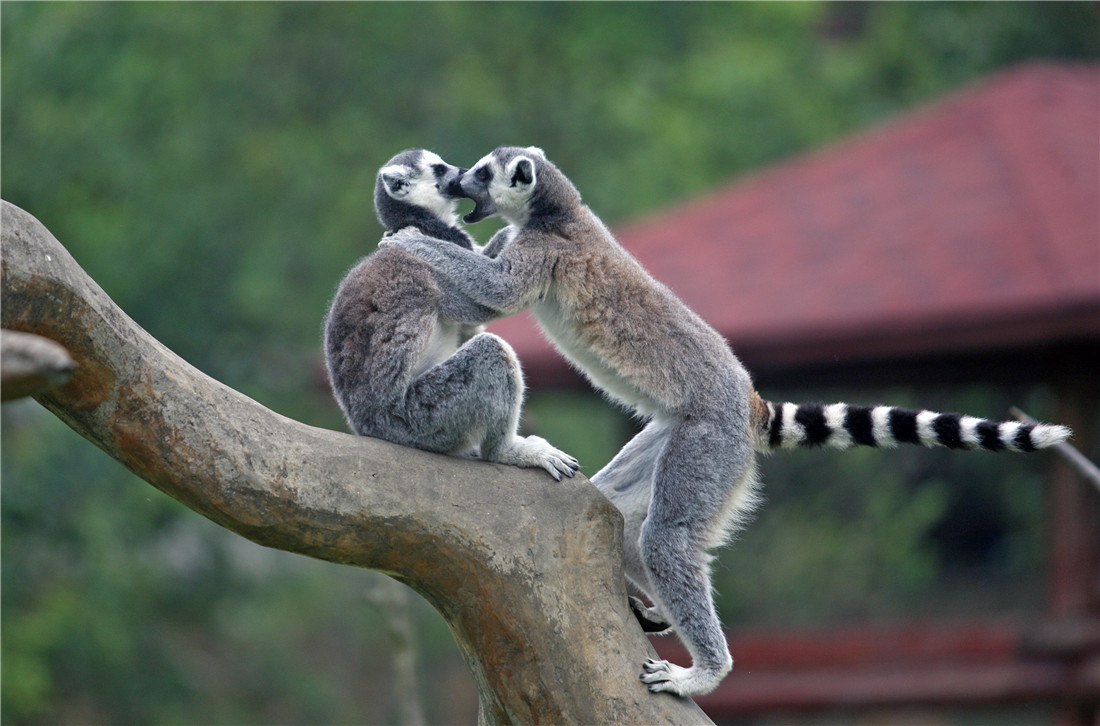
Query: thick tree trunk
(525, 570)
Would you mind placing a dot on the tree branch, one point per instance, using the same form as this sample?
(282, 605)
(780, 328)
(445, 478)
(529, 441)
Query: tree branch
(526, 571)
(31, 364)
(1069, 453)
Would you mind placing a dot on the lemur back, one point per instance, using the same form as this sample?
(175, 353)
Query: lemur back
(404, 349)
(688, 479)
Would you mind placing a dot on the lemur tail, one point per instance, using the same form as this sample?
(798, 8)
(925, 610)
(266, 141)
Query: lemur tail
(840, 426)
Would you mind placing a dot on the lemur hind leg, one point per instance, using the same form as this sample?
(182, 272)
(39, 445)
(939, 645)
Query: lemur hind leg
(627, 481)
(703, 460)
(438, 408)
(473, 399)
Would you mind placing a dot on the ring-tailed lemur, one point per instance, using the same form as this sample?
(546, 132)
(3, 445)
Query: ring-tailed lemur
(405, 356)
(687, 480)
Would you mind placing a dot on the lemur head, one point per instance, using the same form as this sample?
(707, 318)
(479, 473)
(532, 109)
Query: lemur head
(418, 188)
(520, 184)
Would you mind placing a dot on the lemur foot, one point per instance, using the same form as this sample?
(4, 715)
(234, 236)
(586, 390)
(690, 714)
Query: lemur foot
(650, 619)
(535, 451)
(660, 675)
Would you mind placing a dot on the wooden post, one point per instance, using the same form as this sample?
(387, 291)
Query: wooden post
(1073, 517)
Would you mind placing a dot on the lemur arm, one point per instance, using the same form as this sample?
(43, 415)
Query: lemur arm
(507, 284)
(496, 244)
(457, 306)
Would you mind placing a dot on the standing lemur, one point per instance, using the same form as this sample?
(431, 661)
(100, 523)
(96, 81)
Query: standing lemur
(406, 358)
(687, 480)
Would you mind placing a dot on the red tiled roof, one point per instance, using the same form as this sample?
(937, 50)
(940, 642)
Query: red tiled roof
(968, 225)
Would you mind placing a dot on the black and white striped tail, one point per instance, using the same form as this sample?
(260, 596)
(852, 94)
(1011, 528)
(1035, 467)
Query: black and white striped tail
(841, 426)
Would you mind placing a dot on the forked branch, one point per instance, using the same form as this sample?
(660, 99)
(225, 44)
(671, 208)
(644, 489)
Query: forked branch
(526, 571)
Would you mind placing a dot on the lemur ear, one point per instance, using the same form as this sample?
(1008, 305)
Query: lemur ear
(522, 171)
(536, 151)
(396, 180)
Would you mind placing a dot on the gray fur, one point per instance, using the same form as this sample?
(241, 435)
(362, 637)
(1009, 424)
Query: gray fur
(406, 357)
(690, 472)
(688, 480)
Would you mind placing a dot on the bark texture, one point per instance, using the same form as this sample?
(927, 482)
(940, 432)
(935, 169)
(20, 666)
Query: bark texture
(526, 571)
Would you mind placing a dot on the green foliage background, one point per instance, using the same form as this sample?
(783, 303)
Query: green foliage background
(211, 166)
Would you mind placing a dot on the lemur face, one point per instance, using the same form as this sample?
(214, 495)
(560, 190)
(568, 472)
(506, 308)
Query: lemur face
(476, 184)
(422, 179)
(502, 183)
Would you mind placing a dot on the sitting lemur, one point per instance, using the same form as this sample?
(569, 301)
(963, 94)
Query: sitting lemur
(406, 357)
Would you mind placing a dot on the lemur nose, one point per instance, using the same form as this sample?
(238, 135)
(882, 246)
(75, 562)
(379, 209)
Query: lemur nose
(454, 187)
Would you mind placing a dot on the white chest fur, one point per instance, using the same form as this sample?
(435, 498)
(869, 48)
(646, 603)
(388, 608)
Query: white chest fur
(441, 345)
(563, 331)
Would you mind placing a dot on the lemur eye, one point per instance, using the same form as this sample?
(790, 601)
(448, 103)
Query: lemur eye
(483, 174)
(439, 169)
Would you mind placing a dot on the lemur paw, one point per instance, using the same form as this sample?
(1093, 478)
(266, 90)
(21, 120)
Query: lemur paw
(399, 237)
(535, 451)
(408, 237)
(650, 619)
(662, 676)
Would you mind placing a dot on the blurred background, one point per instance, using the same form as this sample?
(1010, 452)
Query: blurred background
(211, 166)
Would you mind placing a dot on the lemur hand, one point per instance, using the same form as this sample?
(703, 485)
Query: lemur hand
(406, 237)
